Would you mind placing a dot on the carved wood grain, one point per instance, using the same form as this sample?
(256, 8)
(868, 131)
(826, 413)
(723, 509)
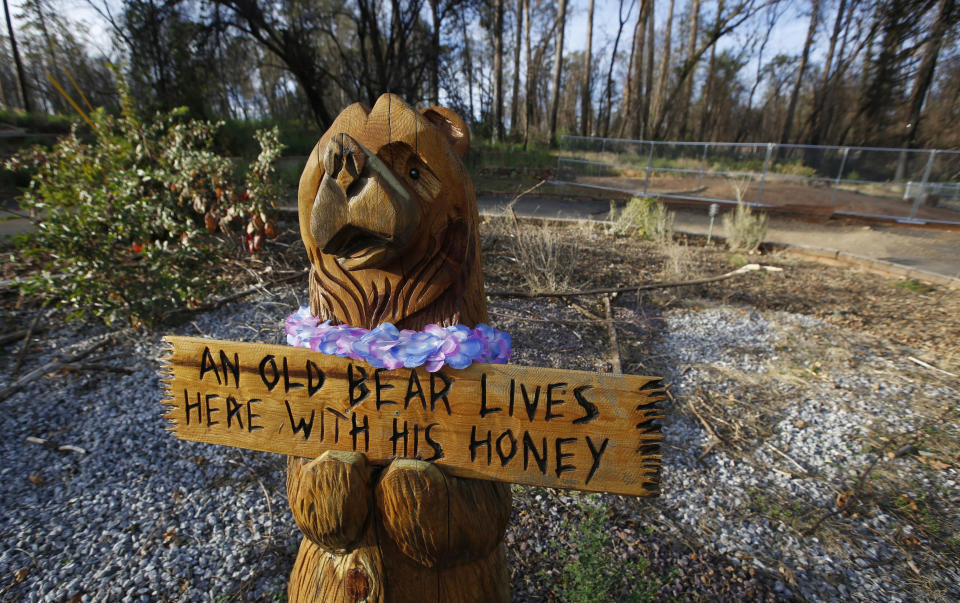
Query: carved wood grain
(436, 276)
(329, 497)
(434, 279)
(521, 418)
(440, 520)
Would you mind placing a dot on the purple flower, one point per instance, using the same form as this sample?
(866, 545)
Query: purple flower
(387, 347)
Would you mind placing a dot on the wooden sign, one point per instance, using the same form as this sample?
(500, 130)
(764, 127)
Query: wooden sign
(537, 426)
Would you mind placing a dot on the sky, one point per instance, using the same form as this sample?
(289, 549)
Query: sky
(787, 37)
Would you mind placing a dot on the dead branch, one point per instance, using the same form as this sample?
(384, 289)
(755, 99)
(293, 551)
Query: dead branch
(930, 366)
(713, 434)
(643, 287)
(47, 368)
(788, 457)
(235, 296)
(517, 198)
(52, 446)
(26, 339)
(18, 334)
(612, 332)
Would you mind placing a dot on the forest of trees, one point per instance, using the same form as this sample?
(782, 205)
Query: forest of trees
(877, 73)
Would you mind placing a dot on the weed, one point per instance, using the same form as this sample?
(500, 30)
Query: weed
(547, 255)
(678, 261)
(795, 168)
(591, 573)
(647, 217)
(914, 285)
(737, 260)
(745, 230)
(486, 154)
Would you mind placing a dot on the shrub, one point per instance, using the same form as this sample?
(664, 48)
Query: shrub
(548, 256)
(592, 574)
(745, 230)
(794, 168)
(127, 221)
(645, 217)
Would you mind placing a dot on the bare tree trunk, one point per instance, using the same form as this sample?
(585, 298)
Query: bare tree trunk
(637, 94)
(801, 71)
(708, 85)
(815, 120)
(585, 110)
(687, 91)
(557, 72)
(928, 65)
(729, 22)
(628, 102)
(772, 18)
(648, 76)
(24, 90)
(469, 66)
(528, 87)
(48, 42)
(608, 89)
(435, 44)
(514, 101)
(656, 112)
(498, 70)
(707, 88)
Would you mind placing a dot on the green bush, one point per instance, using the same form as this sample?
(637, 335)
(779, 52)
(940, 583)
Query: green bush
(592, 574)
(127, 221)
(236, 137)
(745, 230)
(645, 217)
(486, 154)
(794, 168)
(37, 122)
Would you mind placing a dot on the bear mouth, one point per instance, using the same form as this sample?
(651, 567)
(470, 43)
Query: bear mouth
(356, 247)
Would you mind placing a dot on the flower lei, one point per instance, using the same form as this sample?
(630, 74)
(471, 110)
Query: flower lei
(387, 347)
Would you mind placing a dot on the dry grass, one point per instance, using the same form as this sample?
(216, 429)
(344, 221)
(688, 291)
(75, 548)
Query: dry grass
(745, 230)
(744, 409)
(547, 255)
(678, 262)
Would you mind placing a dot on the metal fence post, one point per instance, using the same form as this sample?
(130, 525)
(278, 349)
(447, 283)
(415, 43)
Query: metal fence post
(703, 165)
(646, 183)
(923, 185)
(766, 166)
(836, 183)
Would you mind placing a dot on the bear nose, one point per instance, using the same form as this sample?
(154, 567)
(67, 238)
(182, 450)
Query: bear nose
(344, 160)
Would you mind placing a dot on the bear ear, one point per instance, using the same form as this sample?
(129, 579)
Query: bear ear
(451, 125)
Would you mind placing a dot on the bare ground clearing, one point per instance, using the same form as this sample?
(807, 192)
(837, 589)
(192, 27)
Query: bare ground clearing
(816, 199)
(808, 454)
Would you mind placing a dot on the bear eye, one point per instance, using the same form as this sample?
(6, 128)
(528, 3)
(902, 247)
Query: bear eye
(414, 173)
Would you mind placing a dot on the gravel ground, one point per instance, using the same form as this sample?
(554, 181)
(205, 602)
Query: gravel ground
(784, 474)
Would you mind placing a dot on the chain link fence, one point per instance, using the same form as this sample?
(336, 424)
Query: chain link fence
(908, 185)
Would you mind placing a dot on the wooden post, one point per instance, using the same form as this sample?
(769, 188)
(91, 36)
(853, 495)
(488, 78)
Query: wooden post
(399, 479)
(389, 219)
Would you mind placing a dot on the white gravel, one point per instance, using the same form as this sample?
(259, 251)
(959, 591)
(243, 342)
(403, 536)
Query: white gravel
(142, 516)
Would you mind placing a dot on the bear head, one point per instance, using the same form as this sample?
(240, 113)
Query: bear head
(389, 218)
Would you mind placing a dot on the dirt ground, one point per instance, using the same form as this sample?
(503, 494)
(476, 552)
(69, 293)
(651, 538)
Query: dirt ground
(925, 319)
(935, 251)
(928, 318)
(873, 312)
(817, 198)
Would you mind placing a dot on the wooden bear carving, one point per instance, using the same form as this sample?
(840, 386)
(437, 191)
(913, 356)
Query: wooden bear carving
(389, 219)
